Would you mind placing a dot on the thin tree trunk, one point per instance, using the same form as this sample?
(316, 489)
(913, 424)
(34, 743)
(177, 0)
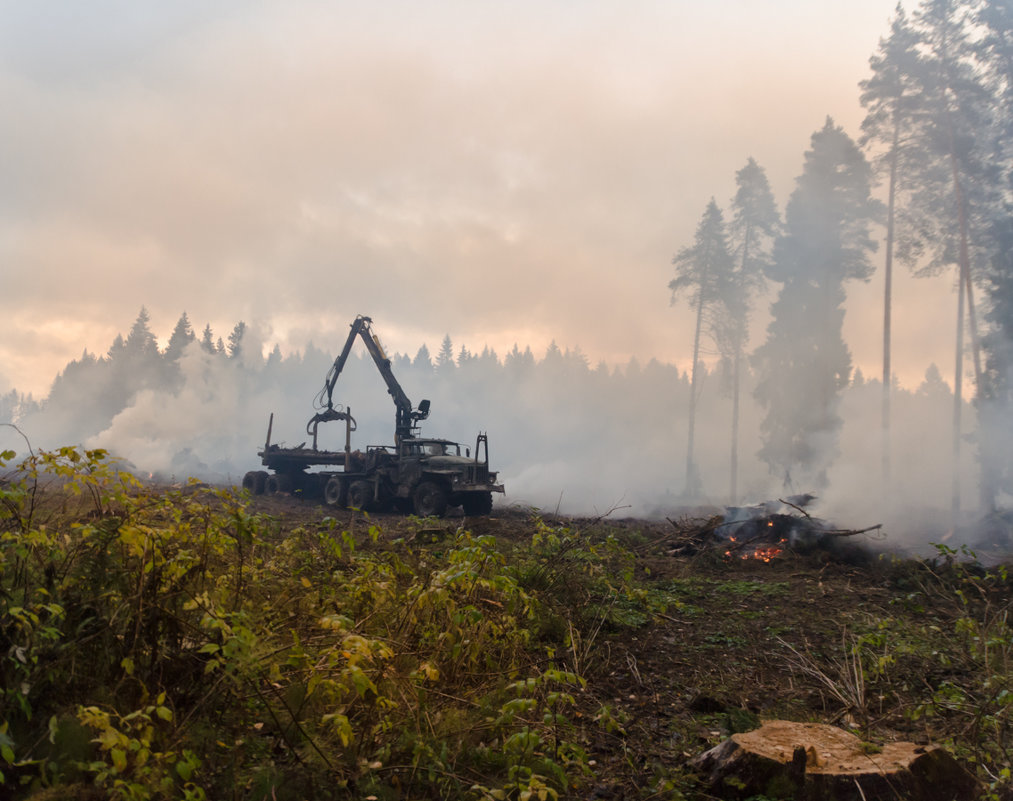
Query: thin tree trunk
(958, 402)
(967, 288)
(987, 486)
(737, 378)
(735, 425)
(691, 483)
(965, 272)
(887, 307)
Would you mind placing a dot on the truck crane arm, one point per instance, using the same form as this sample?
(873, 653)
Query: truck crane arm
(406, 417)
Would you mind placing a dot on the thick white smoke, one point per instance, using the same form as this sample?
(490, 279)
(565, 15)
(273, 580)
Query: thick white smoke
(563, 435)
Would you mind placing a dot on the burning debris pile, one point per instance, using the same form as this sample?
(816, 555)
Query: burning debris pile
(763, 531)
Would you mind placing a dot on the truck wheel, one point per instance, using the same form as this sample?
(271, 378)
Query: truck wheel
(477, 503)
(430, 499)
(277, 484)
(360, 495)
(254, 481)
(334, 492)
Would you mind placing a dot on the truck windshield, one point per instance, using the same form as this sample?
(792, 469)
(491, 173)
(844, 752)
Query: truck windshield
(441, 449)
(433, 449)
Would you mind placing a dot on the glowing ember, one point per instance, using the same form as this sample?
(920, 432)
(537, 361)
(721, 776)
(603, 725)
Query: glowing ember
(764, 554)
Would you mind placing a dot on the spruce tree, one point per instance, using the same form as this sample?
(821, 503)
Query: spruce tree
(141, 366)
(115, 352)
(804, 364)
(140, 341)
(182, 335)
(422, 360)
(445, 358)
(207, 340)
(235, 346)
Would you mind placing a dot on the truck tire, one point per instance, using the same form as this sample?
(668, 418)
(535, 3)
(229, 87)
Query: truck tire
(254, 481)
(334, 492)
(278, 484)
(477, 503)
(430, 499)
(360, 495)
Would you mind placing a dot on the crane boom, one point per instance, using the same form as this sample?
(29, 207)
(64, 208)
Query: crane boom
(405, 417)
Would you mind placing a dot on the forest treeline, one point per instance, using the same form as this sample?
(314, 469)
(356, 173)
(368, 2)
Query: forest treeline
(563, 432)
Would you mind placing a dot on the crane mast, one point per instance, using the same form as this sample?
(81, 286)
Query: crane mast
(406, 418)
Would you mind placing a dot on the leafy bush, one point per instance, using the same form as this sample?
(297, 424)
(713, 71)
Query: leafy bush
(140, 629)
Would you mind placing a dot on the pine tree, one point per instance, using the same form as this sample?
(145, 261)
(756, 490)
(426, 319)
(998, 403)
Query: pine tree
(755, 223)
(954, 179)
(995, 401)
(705, 271)
(804, 364)
(891, 96)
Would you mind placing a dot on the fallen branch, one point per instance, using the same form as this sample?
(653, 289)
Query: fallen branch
(841, 532)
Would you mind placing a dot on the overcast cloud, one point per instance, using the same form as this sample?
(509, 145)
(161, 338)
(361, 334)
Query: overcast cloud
(502, 172)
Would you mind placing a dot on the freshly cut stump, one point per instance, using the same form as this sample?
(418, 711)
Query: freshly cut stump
(816, 762)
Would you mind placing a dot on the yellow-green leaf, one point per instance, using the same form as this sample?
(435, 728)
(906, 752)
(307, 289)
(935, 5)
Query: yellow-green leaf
(119, 757)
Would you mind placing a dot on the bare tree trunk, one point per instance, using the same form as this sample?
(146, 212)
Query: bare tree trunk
(958, 401)
(735, 426)
(737, 379)
(987, 487)
(965, 273)
(887, 307)
(967, 288)
(691, 483)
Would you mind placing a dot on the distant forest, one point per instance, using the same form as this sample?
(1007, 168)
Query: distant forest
(788, 413)
(563, 433)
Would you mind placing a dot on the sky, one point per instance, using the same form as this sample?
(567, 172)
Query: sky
(498, 172)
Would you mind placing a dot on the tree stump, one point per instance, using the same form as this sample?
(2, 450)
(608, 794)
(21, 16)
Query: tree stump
(817, 762)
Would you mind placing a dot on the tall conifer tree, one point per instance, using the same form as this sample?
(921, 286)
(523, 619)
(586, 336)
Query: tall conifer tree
(891, 96)
(705, 271)
(804, 363)
(182, 335)
(755, 223)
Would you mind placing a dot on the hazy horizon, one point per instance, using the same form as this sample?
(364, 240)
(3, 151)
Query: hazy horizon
(501, 175)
